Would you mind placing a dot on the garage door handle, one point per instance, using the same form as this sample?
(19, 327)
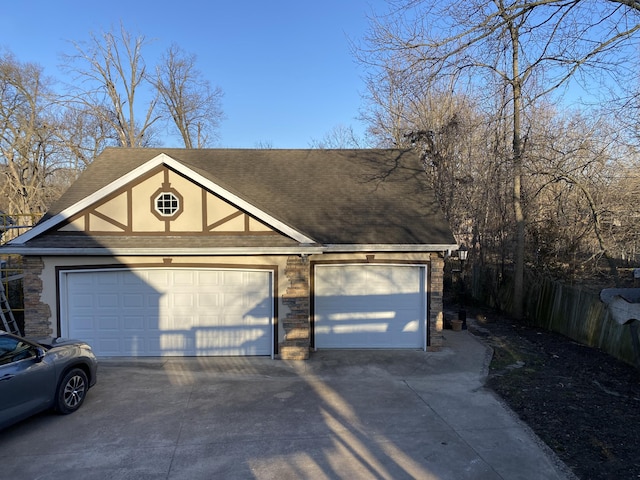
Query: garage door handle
(6, 377)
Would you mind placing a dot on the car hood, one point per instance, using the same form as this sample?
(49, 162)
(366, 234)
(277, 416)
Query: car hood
(51, 342)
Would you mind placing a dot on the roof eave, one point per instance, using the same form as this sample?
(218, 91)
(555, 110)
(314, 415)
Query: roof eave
(408, 248)
(116, 252)
(295, 250)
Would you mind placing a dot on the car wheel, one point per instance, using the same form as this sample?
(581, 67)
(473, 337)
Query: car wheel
(71, 391)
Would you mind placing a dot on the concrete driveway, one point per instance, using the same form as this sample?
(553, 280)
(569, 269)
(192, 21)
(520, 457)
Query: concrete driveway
(357, 414)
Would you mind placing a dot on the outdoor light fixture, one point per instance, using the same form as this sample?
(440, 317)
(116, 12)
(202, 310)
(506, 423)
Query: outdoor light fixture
(462, 314)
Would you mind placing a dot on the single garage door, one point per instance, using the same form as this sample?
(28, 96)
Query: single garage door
(169, 312)
(370, 306)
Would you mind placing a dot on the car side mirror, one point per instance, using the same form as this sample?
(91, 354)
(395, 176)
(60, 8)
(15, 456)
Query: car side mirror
(40, 352)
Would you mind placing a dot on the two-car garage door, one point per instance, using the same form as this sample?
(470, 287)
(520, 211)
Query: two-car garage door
(169, 311)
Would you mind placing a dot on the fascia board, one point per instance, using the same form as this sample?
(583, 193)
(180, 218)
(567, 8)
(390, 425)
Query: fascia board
(145, 252)
(298, 250)
(390, 248)
(144, 168)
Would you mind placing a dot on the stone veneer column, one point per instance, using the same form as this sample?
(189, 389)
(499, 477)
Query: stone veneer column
(296, 325)
(36, 314)
(436, 315)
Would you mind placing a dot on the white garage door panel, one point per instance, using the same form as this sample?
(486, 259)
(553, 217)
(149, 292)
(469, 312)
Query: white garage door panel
(369, 306)
(156, 312)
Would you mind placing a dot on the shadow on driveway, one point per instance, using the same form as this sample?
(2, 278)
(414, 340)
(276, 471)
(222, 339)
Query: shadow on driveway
(341, 414)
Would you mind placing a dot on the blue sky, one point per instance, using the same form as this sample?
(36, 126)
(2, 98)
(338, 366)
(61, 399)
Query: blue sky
(285, 66)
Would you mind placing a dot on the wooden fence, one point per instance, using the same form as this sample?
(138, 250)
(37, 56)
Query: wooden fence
(551, 305)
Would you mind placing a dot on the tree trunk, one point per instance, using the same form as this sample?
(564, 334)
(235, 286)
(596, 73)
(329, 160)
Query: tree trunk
(518, 281)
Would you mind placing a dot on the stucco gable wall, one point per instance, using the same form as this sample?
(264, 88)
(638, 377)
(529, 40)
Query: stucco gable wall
(131, 210)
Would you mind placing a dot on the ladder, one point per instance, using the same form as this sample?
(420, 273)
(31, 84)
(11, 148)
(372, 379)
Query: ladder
(9, 323)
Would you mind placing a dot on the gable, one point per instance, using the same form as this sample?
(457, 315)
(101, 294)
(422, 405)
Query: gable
(133, 210)
(100, 197)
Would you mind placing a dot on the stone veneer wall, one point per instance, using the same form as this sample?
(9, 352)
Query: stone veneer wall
(36, 313)
(296, 325)
(436, 307)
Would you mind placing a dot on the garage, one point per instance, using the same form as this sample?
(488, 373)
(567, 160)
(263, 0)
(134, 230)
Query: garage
(369, 306)
(171, 251)
(169, 311)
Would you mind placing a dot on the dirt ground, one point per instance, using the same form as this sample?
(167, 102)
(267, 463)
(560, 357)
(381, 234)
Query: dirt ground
(583, 403)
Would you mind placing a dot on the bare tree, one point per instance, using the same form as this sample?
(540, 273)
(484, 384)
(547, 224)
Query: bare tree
(110, 74)
(572, 159)
(264, 145)
(525, 49)
(30, 152)
(389, 97)
(84, 135)
(46, 138)
(340, 136)
(188, 99)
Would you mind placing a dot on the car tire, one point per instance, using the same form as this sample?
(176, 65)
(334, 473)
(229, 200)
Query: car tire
(71, 391)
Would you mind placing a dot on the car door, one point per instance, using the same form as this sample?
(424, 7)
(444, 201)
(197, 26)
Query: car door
(27, 381)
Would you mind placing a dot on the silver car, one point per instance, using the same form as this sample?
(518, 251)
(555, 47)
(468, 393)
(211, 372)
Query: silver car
(48, 374)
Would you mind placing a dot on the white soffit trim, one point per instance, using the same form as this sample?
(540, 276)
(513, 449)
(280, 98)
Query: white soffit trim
(161, 159)
(389, 248)
(145, 252)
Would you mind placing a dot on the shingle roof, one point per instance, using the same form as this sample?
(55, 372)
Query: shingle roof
(332, 196)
